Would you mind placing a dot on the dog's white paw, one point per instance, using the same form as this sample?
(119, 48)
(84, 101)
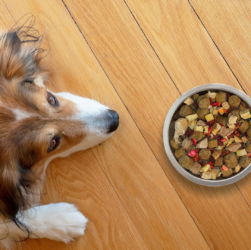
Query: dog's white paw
(61, 222)
(72, 221)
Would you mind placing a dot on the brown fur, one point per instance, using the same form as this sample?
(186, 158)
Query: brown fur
(24, 142)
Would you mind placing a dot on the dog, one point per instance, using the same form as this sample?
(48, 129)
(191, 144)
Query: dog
(36, 126)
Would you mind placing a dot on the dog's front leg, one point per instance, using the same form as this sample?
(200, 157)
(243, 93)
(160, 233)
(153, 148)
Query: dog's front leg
(60, 222)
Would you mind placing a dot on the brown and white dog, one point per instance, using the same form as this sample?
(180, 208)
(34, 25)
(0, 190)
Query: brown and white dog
(36, 126)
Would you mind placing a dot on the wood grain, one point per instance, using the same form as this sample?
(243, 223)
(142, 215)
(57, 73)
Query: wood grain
(126, 159)
(79, 179)
(231, 34)
(230, 30)
(191, 59)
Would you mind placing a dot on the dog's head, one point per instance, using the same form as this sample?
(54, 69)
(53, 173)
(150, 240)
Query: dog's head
(37, 125)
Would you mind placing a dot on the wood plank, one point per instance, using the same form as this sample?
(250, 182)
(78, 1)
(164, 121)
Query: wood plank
(138, 179)
(229, 25)
(191, 59)
(230, 30)
(79, 179)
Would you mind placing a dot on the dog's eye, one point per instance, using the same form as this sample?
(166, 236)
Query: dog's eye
(52, 99)
(53, 144)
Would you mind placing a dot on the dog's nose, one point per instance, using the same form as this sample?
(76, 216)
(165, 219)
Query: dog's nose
(114, 118)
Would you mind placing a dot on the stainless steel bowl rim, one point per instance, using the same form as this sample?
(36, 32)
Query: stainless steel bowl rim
(166, 139)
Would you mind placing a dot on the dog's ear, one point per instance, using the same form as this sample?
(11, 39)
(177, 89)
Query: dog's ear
(14, 189)
(16, 59)
(12, 40)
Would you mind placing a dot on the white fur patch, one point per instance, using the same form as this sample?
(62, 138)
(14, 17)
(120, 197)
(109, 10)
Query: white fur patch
(61, 222)
(21, 114)
(39, 81)
(90, 112)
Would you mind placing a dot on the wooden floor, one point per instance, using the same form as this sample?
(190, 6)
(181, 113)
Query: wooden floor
(138, 57)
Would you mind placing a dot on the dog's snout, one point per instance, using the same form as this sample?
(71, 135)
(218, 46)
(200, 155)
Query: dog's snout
(114, 120)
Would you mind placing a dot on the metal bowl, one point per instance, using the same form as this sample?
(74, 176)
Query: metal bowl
(168, 134)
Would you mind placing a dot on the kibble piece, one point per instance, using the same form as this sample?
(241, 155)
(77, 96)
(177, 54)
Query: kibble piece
(191, 148)
(249, 132)
(221, 97)
(227, 173)
(196, 168)
(234, 101)
(248, 147)
(185, 111)
(222, 120)
(219, 162)
(216, 154)
(179, 152)
(186, 162)
(204, 103)
(214, 172)
(202, 144)
(242, 108)
(244, 161)
(233, 147)
(187, 143)
(243, 127)
(174, 144)
(195, 96)
(202, 112)
(201, 97)
(230, 160)
(197, 135)
(213, 143)
(204, 154)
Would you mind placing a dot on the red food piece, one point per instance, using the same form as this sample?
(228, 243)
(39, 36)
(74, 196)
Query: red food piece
(220, 143)
(224, 168)
(249, 154)
(237, 125)
(211, 149)
(223, 139)
(227, 95)
(211, 101)
(211, 167)
(216, 136)
(189, 132)
(227, 111)
(203, 164)
(197, 150)
(222, 125)
(224, 153)
(212, 159)
(233, 108)
(237, 133)
(231, 136)
(210, 129)
(194, 142)
(196, 158)
(217, 104)
(211, 123)
(195, 104)
(208, 136)
(192, 153)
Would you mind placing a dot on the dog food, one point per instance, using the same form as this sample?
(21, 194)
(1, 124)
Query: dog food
(212, 138)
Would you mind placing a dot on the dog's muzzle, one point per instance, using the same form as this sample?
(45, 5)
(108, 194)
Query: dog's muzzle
(113, 120)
